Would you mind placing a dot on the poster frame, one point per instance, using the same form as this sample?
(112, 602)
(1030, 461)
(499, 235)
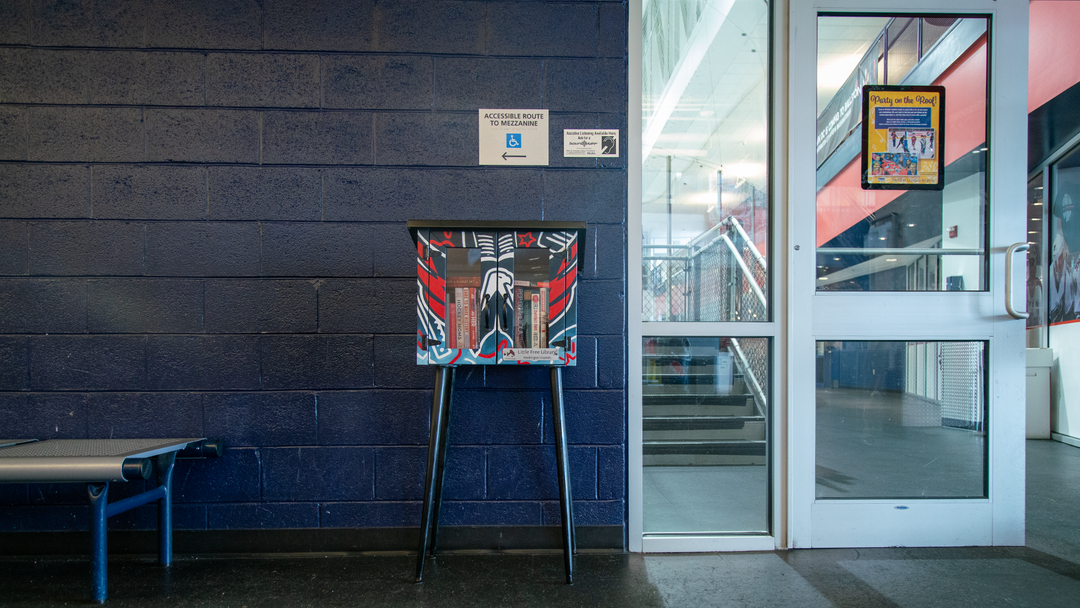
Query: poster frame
(940, 136)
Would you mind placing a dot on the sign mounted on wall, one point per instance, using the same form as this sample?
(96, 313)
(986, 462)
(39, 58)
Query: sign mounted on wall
(513, 137)
(903, 137)
(582, 143)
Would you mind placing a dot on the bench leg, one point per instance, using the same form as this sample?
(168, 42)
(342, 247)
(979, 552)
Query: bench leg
(99, 499)
(165, 464)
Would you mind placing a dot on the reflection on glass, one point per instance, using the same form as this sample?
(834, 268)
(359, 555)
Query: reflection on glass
(1036, 289)
(895, 240)
(704, 176)
(463, 303)
(705, 429)
(901, 420)
(1065, 239)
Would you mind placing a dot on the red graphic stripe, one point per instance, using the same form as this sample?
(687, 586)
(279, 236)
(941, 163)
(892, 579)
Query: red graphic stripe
(455, 358)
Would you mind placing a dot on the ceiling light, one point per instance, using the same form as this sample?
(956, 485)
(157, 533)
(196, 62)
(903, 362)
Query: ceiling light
(1036, 204)
(911, 225)
(890, 259)
(1036, 219)
(1033, 232)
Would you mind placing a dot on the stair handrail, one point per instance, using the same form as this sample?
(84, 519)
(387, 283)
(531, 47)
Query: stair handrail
(748, 372)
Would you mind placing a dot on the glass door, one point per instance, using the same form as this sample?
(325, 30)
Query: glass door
(907, 364)
(701, 313)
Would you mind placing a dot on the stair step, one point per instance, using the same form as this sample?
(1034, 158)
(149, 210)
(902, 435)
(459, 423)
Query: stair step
(711, 428)
(704, 453)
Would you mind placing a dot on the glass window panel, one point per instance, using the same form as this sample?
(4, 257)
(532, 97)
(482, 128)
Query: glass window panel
(705, 430)
(915, 240)
(463, 278)
(705, 213)
(933, 28)
(901, 420)
(1065, 239)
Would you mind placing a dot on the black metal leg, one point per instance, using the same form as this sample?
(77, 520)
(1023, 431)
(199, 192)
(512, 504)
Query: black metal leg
(562, 462)
(444, 435)
(442, 386)
(165, 464)
(99, 499)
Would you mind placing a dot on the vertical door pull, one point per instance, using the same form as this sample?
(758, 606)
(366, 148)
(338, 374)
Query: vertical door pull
(1009, 280)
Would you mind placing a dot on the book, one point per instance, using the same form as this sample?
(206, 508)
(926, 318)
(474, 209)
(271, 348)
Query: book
(460, 310)
(534, 336)
(519, 317)
(463, 281)
(526, 319)
(543, 318)
(451, 326)
(474, 340)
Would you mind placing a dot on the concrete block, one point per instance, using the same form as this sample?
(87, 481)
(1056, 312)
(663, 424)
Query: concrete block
(316, 362)
(262, 515)
(582, 375)
(264, 193)
(588, 513)
(395, 364)
(491, 193)
(108, 363)
(377, 82)
(466, 473)
(585, 85)
(42, 306)
(13, 248)
(44, 191)
(202, 136)
(135, 415)
(284, 81)
(44, 415)
(202, 249)
(185, 517)
(610, 362)
(142, 78)
(144, 306)
(86, 248)
(14, 22)
(611, 472)
(594, 417)
(609, 247)
(204, 24)
(260, 306)
(260, 419)
(567, 30)
(591, 196)
(370, 514)
(318, 474)
(377, 194)
(529, 473)
(485, 513)
(41, 518)
(560, 122)
(367, 306)
(42, 76)
(498, 417)
(318, 25)
(98, 23)
(426, 139)
(77, 134)
(202, 363)
(13, 123)
(399, 473)
(602, 307)
(232, 478)
(316, 249)
(446, 27)
(151, 192)
(396, 255)
(612, 31)
(469, 83)
(338, 138)
(14, 363)
(14, 494)
(520, 377)
(374, 417)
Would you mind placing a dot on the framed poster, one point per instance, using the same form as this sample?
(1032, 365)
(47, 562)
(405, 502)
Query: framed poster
(903, 137)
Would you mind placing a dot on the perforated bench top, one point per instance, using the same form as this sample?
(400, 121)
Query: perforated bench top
(72, 460)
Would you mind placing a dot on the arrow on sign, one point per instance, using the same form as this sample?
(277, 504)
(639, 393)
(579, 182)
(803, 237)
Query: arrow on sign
(506, 156)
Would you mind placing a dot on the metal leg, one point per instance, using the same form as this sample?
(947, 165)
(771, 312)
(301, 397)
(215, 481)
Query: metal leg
(444, 435)
(165, 464)
(562, 462)
(442, 387)
(99, 499)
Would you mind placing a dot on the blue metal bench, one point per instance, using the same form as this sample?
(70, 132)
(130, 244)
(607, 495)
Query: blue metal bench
(98, 462)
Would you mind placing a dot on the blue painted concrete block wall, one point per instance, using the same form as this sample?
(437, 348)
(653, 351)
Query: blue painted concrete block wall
(202, 232)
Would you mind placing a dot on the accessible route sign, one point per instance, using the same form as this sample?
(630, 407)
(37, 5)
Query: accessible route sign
(513, 137)
(903, 137)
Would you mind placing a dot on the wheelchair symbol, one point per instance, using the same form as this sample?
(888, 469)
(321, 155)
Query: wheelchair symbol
(513, 140)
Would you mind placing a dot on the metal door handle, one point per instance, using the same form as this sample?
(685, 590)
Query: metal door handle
(1009, 280)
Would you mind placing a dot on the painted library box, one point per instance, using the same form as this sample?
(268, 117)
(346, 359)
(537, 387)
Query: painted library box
(497, 293)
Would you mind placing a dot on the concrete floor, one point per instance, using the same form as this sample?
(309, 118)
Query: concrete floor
(1045, 573)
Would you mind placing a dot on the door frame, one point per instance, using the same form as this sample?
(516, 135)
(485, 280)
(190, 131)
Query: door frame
(998, 519)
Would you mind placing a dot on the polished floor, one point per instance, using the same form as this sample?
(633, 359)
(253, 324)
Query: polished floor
(1045, 573)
